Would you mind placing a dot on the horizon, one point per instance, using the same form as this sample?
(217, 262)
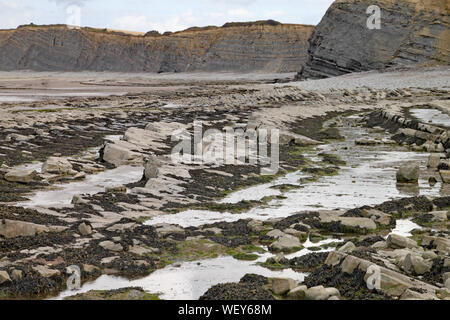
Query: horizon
(144, 16)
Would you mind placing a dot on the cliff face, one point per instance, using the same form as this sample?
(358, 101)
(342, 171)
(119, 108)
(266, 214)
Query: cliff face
(271, 48)
(413, 32)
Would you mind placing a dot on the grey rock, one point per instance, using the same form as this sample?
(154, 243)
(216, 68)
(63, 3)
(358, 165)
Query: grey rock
(13, 228)
(297, 293)
(57, 165)
(280, 286)
(348, 247)
(121, 153)
(433, 160)
(275, 234)
(16, 274)
(111, 246)
(342, 43)
(398, 241)
(256, 226)
(90, 268)
(349, 264)
(320, 293)
(286, 243)
(84, 229)
(408, 173)
(22, 176)
(151, 170)
(245, 48)
(166, 229)
(334, 258)
(46, 272)
(415, 263)
(4, 277)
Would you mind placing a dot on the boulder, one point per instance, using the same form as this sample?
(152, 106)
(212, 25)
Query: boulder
(90, 268)
(443, 293)
(445, 276)
(445, 175)
(139, 250)
(275, 234)
(408, 173)
(415, 263)
(280, 286)
(256, 226)
(438, 216)
(286, 243)
(354, 222)
(109, 260)
(398, 241)
(16, 274)
(56, 165)
(348, 247)
(414, 295)
(122, 227)
(334, 258)
(433, 160)
(4, 277)
(295, 233)
(111, 246)
(85, 229)
(46, 272)
(120, 153)
(297, 293)
(152, 166)
(447, 284)
(21, 176)
(321, 293)
(78, 199)
(13, 228)
(350, 264)
(167, 229)
(430, 255)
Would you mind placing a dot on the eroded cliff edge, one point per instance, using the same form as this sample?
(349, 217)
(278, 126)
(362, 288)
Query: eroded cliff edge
(244, 48)
(413, 33)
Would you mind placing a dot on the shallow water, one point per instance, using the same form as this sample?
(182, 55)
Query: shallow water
(190, 280)
(432, 116)
(9, 99)
(404, 227)
(368, 178)
(93, 184)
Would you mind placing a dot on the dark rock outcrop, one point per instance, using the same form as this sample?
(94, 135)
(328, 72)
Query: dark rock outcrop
(413, 33)
(248, 47)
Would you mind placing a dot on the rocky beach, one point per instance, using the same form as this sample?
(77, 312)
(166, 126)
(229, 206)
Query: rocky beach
(357, 209)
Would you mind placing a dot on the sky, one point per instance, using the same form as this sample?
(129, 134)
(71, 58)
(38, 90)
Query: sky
(160, 15)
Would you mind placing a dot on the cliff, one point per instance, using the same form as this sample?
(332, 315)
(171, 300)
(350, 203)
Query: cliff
(240, 47)
(413, 33)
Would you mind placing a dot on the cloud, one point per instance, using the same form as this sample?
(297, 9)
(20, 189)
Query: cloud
(143, 23)
(273, 13)
(239, 13)
(71, 2)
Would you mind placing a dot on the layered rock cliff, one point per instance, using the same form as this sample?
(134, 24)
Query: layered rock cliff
(413, 33)
(252, 47)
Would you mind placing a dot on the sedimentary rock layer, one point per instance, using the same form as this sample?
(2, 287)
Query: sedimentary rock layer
(270, 48)
(412, 33)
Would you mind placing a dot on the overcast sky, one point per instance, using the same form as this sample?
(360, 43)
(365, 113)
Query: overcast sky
(161, 15)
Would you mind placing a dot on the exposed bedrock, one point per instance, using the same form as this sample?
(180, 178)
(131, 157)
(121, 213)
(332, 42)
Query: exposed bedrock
(412, 33)
(253, 47)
